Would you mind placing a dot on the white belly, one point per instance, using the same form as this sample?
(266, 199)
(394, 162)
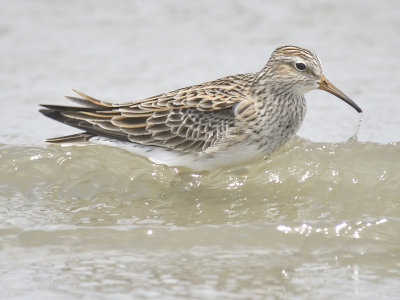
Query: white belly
(234, 155)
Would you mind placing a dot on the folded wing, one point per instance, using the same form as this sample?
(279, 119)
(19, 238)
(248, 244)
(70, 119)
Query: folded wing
(188, 119)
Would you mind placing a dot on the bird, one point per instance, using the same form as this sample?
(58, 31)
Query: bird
(205, 126)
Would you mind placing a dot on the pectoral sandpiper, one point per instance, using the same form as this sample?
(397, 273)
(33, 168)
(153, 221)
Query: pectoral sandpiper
(232, 119)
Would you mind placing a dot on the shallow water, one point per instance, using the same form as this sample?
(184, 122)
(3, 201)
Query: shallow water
(98, 221)
(318, 220)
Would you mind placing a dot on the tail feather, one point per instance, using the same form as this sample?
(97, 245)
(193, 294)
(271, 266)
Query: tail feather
(90, 101)
(84, 102)
(78, 138)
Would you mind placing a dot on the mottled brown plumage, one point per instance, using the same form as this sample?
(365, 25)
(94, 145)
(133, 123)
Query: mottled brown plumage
(203, 125)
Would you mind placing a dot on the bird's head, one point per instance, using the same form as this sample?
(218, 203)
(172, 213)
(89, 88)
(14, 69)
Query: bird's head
(299, 70)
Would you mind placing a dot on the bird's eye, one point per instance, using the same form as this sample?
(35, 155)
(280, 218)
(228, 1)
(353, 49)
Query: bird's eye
(300, 66)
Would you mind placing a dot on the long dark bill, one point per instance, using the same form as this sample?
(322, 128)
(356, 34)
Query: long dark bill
(326, 85)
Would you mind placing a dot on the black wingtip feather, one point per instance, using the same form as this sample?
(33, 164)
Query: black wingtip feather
(67, 108)
(57, 114)
(48, 113)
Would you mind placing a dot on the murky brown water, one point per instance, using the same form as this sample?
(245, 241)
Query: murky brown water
(99, 221)
(318, 220)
